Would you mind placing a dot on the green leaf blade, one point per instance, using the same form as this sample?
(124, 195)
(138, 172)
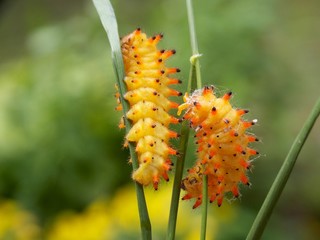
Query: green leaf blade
(109, 22)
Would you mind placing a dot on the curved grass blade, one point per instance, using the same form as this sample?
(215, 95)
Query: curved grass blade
(279, 183)
(109, 22)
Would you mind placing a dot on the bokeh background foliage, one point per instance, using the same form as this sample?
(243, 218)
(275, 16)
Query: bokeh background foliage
(61, 156)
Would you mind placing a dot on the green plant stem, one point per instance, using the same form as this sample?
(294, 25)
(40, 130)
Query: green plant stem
(194, 82)
(177, 182)
(194, 43)
(145, 224)
(196, 65)
(204, 207)
(279, 183)
(109, 22)
(185, 129)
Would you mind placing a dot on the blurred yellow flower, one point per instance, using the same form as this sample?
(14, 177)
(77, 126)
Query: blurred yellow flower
(16, 223)
(92, 224)
(119, 219)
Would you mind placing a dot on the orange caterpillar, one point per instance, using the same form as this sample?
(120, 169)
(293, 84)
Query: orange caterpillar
(147, 84)
(223, 153)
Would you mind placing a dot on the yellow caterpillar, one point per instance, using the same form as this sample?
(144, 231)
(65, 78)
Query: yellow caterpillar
(147, 80)
(223, 153)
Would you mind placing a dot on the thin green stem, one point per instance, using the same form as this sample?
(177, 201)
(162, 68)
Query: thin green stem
(194, 43)
(177, 182)
(194, 82)
(109, 22)
(192, 29)
(204, 207)
(145, 224)
(196, 67)
(279, 183)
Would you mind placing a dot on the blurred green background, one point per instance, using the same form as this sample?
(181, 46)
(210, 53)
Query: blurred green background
(60, 148)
